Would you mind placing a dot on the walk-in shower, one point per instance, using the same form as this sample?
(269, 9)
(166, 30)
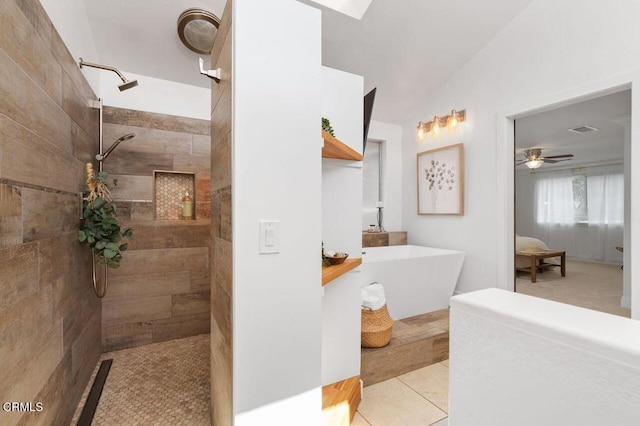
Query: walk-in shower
(126, 84)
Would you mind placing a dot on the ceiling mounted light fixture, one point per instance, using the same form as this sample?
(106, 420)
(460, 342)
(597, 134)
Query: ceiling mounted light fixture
(533, 158)
(434, 127)
(534, 164)
(197, 29)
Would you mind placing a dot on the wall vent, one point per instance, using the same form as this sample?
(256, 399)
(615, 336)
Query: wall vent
(583, 129)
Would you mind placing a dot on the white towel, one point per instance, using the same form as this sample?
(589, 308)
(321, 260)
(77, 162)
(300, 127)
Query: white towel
(373, 296)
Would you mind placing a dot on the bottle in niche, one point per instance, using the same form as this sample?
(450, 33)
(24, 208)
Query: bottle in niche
(186, 206)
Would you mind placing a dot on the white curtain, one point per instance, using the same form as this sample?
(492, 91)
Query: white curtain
(581, 211)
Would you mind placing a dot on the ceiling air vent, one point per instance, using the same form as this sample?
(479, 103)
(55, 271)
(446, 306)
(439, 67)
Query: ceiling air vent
(583, 129)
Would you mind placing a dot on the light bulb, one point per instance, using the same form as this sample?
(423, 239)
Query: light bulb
(534, 164)
(435, 127)
(453, 122)
(421, 133)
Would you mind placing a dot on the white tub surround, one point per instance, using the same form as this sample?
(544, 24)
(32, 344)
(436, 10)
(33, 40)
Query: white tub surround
(416, 279)
(520, 360)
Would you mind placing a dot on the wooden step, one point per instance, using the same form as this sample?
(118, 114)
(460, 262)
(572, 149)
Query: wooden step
(416, 342)
(340, 401)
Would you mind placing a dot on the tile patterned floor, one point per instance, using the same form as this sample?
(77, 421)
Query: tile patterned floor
(159, 384)
(418, 398)
(168, 384)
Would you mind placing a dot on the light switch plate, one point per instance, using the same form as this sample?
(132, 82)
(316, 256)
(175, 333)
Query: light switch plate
(269, 237)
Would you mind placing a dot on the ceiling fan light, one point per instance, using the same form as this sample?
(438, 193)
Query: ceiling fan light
(534, 164)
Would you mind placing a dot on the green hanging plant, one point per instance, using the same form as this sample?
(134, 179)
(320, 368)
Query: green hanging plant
(326, 126)
(100, 227)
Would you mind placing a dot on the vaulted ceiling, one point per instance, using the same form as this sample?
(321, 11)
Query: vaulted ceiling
(408, 48)
(405, 48)
(140, 36)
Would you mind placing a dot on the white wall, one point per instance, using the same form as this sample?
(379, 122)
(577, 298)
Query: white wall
(625, 301)
(70, 19)
(522, 65)
(276, 176)
(342, 103)
(391, 137)
(520, 360)
(154, 95)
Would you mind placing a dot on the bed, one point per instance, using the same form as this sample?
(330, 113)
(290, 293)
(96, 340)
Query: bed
(528, 244)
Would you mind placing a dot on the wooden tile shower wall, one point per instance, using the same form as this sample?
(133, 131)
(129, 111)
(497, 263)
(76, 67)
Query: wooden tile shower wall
(161, 290)
(49, 315)
(221, 205)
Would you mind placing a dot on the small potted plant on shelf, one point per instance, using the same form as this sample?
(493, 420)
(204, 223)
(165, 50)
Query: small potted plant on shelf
(326, 126)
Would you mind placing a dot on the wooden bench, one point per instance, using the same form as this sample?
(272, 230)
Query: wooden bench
(537, 261)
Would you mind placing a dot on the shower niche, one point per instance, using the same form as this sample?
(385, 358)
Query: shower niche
(174, 195)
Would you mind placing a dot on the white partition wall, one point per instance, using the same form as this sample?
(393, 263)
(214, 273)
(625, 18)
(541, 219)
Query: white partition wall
(276, 169)
(342, 104)
(520, 360)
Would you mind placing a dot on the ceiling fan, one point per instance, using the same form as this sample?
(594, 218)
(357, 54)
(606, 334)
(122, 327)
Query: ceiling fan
(534, 159)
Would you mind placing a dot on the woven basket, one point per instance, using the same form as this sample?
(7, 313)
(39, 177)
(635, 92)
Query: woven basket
(376, 328)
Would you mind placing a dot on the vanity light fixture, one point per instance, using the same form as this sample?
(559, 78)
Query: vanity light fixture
(434, 127)
(453, 122)
(421, 132)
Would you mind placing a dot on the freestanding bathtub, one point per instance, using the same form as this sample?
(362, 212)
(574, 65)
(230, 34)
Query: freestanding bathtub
(416, 279)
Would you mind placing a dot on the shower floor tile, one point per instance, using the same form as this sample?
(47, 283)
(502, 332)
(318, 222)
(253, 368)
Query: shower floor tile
(164, 383)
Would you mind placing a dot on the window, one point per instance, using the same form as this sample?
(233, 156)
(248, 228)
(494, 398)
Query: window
(579, 186)
(371, 182)
(595, 196)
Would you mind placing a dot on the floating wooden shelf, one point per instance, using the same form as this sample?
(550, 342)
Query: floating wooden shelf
(334, 148)
(340, 401)
(330, 273)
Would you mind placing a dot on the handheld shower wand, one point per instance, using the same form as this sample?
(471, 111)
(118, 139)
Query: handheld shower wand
(103, 156)
(126, 84)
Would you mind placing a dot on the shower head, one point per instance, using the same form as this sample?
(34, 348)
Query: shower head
(102, 157)
(126, 84)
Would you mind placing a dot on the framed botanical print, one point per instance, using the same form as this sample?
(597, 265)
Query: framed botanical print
(441, 181)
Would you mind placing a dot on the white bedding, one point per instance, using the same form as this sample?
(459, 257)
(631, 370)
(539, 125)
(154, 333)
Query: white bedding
(524, 243)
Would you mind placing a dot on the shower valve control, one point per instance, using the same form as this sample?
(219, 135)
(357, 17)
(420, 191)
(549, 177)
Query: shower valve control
(269, 236)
